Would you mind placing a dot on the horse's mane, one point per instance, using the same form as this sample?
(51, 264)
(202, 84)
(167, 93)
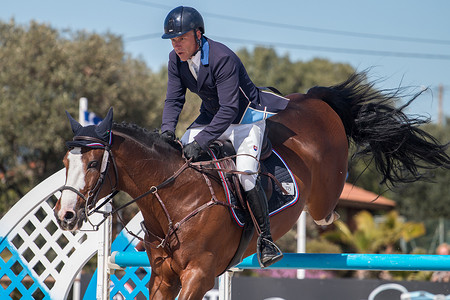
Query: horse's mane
(143, 135)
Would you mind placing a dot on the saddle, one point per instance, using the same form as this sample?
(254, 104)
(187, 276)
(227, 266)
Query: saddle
(276, 179)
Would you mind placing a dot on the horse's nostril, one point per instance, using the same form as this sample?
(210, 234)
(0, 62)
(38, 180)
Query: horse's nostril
(69, 216)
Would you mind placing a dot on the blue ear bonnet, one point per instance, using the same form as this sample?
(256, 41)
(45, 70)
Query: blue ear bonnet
(92, 136)
(89, 131)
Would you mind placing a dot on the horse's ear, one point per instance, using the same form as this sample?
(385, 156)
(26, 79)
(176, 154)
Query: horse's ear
(105, 125)
(73, 123)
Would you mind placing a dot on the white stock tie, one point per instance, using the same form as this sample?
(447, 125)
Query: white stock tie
(194, 64)
(193, 69)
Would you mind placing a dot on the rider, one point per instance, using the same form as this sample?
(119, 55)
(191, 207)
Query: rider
(232, 108)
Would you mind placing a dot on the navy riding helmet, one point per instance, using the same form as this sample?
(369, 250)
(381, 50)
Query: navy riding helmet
(180, 20)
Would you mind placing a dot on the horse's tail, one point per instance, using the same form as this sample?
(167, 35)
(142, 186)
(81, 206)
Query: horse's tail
(399, 147)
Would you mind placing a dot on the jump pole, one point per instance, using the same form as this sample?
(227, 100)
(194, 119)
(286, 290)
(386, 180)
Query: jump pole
(315, 261)
(320, 261)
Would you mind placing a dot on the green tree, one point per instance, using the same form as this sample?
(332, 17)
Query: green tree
(42, 74)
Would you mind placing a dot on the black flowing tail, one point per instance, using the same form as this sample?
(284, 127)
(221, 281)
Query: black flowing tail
(399, 147)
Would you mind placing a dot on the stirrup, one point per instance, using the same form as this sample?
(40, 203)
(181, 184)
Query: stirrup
(258, 252)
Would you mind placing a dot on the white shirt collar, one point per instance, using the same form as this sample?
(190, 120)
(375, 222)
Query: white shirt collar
(195, 60)
(194, 63)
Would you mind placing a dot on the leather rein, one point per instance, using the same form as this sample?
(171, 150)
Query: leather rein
(107, 160)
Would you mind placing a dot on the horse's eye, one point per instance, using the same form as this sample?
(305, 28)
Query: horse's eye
(92, 164)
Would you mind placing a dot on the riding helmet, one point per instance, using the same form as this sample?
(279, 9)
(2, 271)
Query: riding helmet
(181, 20)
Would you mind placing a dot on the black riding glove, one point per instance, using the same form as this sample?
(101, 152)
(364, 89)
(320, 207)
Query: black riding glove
(194, 151)
(168, 136)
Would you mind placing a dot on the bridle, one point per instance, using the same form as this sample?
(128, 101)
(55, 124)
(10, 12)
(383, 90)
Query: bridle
(92, 195)
(107, 159)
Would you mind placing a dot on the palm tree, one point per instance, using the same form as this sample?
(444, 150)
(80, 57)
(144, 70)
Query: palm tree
(374, 237)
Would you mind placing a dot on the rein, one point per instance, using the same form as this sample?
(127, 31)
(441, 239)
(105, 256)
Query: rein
(200, 165)
(91, 199)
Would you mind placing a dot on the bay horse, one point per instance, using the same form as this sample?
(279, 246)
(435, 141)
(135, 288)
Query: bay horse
(198, 238)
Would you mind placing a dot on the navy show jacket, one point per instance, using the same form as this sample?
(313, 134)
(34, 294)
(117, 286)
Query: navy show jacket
(228, 94)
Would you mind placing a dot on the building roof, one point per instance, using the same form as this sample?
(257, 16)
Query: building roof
(356, 197)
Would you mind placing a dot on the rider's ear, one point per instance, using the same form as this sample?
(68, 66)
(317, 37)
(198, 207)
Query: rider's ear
(105, 125)
(73, 123)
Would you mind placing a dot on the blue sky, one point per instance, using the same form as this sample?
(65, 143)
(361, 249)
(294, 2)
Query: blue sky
(407, 42)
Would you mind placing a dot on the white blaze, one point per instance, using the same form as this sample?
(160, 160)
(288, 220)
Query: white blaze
(75, 179)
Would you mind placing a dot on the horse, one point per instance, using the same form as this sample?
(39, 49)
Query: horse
(190, 237)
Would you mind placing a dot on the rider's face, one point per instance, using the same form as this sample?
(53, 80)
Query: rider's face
(185, 45)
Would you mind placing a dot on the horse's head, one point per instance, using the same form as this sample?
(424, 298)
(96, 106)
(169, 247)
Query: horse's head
(87, 165)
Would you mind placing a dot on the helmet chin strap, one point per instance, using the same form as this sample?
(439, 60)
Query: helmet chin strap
(198, 41)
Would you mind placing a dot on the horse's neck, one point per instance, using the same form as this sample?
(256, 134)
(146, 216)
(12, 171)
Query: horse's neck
(142, 167)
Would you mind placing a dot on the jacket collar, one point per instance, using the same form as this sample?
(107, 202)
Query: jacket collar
(205, 52)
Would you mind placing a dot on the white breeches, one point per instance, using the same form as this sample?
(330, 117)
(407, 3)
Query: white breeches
(246, 139)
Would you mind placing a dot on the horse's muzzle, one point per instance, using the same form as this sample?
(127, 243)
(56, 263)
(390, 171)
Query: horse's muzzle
(71, 220)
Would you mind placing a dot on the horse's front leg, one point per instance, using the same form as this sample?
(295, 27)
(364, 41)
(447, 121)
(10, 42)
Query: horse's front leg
(196, 282)
(160, 288)
(164, 283)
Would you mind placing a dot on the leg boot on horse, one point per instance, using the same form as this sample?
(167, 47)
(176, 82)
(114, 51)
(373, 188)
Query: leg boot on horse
(268, 253)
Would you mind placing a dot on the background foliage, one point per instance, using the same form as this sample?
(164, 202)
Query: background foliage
(42, 74)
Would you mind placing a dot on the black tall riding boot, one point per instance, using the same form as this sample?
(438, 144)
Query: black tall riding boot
(268, 252)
